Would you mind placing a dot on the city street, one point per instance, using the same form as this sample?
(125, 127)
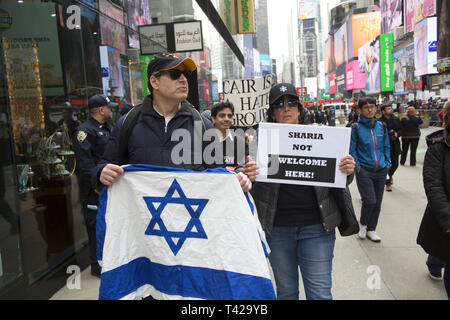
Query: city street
(363, 270)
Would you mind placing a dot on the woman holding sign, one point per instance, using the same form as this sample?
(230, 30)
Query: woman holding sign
(298, 220)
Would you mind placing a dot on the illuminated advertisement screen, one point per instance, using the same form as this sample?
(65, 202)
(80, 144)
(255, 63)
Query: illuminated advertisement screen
(112, 29)
(443, 12)
(409, 15)
(386, 67)
(425, 46)
(138, 14)
(328, 52)
(423, 9)
(402, 59)
(340, 79)
(332, 81)
(369, 62)
(391, 14)
(365, 27)
(340, 45)
(353, 77)
(308, 9)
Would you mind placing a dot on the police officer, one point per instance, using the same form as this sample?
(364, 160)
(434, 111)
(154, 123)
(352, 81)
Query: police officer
(90, 141)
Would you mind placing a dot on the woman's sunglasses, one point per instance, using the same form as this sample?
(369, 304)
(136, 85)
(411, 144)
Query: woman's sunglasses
(280, 105)
(175, 73)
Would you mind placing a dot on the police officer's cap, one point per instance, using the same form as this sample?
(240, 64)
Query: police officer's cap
(100, 100)
(167, 61)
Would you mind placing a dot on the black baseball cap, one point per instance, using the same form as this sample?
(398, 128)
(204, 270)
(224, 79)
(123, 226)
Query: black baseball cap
(100, 100)
(167, 61)
(280, 90)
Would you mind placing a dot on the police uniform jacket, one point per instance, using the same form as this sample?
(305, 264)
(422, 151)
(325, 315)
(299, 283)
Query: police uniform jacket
(90, 141)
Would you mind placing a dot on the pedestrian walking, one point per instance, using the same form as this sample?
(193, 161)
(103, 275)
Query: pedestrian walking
(370, 148)
(300, 232)
(434, 232)
(410, 135)
(393, 126)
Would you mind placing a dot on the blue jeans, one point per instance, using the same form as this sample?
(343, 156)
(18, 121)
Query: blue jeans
(309, 247)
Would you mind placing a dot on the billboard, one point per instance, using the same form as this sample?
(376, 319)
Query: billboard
(138, 14)
(425, 46)
(340, 45)
(443, 11)
(340, 79)
(386, 67)
(308, 9)
(409, 15)
(332, 81)
(112, 29)
(330, 63)
(423, 9)
(354, 79)
(402, 59)
(365, 27)
(391, 14)
(369, 62)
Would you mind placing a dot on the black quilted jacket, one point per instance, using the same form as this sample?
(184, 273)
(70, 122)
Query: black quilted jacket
(436, 180)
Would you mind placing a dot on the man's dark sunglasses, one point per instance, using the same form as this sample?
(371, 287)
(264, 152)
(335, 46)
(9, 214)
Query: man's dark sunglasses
(175, 73)
(280, 105)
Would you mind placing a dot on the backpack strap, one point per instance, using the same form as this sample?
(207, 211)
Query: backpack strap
(355, 127)
(127, 126)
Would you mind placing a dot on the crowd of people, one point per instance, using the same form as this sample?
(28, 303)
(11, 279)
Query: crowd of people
(299, 221)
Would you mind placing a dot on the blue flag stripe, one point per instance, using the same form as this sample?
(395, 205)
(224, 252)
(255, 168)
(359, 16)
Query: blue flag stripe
(194, 282)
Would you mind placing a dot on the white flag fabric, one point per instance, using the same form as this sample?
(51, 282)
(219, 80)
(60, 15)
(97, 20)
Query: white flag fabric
(179, 234)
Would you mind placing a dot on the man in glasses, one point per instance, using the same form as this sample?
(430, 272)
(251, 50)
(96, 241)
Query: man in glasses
(370, 147)
(89, 142)
(163, 111)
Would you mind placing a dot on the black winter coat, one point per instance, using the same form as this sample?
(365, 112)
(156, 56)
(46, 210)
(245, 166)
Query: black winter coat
(436, 179)
(410, 127)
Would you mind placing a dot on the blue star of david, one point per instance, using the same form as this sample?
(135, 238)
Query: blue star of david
(194, 221)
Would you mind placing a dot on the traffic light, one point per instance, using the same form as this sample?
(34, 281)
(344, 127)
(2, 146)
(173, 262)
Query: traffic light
(404, 83)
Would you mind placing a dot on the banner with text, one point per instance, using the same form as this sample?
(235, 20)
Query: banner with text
(300, 154)
(250, 98)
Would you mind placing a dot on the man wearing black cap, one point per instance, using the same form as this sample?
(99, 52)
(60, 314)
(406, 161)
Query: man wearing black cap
(163, 111)
(90, 141)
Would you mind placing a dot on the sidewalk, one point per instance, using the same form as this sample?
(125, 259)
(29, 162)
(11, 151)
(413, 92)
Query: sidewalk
(363, 270)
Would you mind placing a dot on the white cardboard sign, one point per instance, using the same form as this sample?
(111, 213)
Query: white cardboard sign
(301, 154)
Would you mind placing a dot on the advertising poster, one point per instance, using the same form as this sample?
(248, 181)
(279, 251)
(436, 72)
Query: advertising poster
(409, 15)
(248, 56)
(112, 80)
(138, 14)
(340, 79)
(332, 81)
(353, 77)
(112, 29)
(328, 52)
(443, 49)
(340, 45)
(301, 154)
(391, 14)
(365, 27)
(402, 59)
(423, 9)
(386, 67)
(250, 98)
(308, 9)
(369, 62)
(425, 46)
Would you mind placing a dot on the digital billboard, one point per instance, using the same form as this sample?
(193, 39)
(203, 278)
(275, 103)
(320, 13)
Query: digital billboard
(113, 32)
(423, 9)
(402, 60)
(340, 45)
(308, 9)
(332, 81)
(353, 77)
(425, 46)
(443, 11)
(391, 14)
(365, 27)
(328, 52)
(369, 62)
(340, 79)
(138, 14)
(409, 15)
(386, 67)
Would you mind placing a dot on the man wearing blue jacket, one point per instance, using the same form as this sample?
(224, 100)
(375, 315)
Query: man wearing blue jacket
(370, 148)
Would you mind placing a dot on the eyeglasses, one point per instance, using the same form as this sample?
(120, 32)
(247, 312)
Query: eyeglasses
(280, 105)
(174, 73)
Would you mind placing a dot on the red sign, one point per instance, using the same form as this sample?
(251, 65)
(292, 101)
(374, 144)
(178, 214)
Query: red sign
(301, 91)
(332, 80)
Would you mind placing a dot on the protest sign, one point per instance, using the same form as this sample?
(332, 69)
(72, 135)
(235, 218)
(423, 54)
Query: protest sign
(300, 154)
(250, 98)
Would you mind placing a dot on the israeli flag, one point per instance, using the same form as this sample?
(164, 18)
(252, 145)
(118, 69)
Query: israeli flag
(179, 234)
